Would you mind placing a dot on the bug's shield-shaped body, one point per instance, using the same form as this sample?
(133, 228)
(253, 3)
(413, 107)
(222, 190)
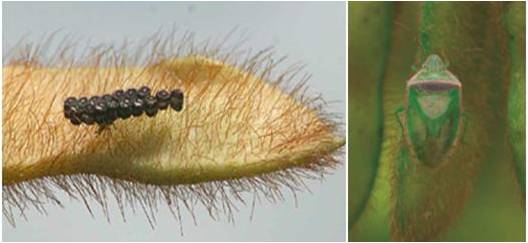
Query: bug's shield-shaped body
(432, 117)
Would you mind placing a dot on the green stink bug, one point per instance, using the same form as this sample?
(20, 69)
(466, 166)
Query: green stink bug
(432, 113)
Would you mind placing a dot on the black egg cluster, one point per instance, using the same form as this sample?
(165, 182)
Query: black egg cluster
(105, 109)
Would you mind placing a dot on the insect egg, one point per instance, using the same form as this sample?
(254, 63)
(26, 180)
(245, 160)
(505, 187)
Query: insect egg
(93, 105)
(176, 100)
(150, 106)
(119, 93)
(163, 98)
(105, 109)
(101, 109)
(84, 108)
(83, 101)
(70, 107)
(137, 106)
(71, 110)
(143, 92)
(124, 110)
(131, 92)
(69, 103)
(112, 105)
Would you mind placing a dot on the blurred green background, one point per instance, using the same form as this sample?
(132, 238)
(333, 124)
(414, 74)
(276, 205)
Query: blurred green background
(484, 44)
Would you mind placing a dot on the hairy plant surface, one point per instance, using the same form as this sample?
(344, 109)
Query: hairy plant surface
(247, 126)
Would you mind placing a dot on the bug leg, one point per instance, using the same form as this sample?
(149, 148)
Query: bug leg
(398, 114)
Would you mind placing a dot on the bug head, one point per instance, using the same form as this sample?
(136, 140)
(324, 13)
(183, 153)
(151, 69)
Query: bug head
(434, 63)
